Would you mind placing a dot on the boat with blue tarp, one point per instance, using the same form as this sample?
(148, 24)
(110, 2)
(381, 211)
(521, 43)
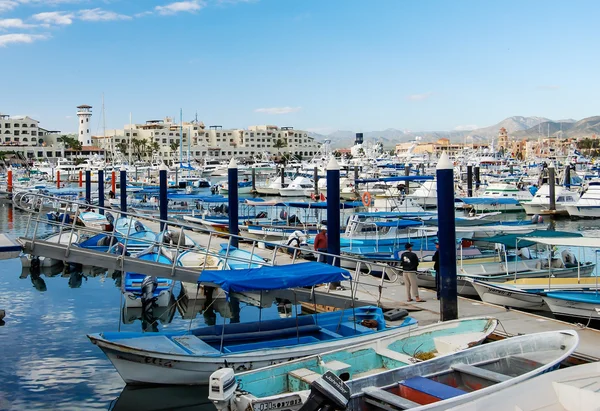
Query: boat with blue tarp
(189, 357)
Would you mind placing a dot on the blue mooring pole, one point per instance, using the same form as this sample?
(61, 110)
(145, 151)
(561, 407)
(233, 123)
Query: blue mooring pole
(101, 191)
(333, 210)
(232, 198)
(123, 187)
(469, 180)
(88, 185)
(163, 202)
(447, 238)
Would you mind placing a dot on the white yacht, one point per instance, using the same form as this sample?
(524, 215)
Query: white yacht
(272, 187)
(589, 203)
(426, 194)
(496, 191)
(300, 187)
(540, 203)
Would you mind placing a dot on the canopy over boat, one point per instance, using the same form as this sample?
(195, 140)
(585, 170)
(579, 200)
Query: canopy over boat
(394, 214)
(323, 204)
(567, 241)
(274, 277)
(517, 240)
(398, 223)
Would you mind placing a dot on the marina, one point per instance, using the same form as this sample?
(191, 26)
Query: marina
(253, 205)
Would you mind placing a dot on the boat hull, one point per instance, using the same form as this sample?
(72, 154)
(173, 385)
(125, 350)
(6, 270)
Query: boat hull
(583, 211)
(508, 297)
(573, 309)
(142, 367)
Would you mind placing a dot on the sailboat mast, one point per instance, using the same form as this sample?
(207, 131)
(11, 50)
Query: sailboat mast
(104, 129)
(130, 134)
(180, 137)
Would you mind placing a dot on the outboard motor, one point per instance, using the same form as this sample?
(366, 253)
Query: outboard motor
(327, 393)
(222, 389)
(138, 226)
(149, 285)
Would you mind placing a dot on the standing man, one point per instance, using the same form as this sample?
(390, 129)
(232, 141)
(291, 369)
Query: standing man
(321, 243)
(409, 263)
(436, 267)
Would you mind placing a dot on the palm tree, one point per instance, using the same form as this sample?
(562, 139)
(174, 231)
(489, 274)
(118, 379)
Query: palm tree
(174, 147)
(143, 147)
(122, 147)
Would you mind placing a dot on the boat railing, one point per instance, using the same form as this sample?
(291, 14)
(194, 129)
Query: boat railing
(68, 226)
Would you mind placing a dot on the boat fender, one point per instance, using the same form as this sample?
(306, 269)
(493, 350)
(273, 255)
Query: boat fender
(466, 243)
(395, 314)
(366, 199)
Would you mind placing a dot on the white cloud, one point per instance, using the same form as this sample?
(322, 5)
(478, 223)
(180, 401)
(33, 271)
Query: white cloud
(466, 127)
(278, 110)
(7, 5)
(143, 14)
(54, 17)
(100, 15)
(6, 39)
(14, 24)
(419, 97)
(191, 6)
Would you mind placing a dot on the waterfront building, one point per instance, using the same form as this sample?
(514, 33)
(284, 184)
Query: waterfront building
(84, 114)
(215, 142)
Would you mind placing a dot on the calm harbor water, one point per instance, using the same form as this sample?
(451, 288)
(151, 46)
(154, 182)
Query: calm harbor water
(50, 364)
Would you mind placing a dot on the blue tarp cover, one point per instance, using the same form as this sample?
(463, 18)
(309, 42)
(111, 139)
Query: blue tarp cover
(490, 200)
(395, 214)
(274, 278)
(323, 205)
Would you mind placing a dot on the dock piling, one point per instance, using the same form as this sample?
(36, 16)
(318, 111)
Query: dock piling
(123, 187)
(477, 179)
(253, 179)
(88, 185)
(552, 186)
(232, 198)
(57, 178)
(162, 199)
(447, 239)
(406, 173)
(333, 210)
(80, 178)
(283, 176)
(316, 180)
(9, 181)
(469, 180)
(101, 191)
(113, 182)
(568, 176)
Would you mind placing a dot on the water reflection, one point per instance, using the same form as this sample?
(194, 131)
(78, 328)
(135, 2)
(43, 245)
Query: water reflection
(163, 399)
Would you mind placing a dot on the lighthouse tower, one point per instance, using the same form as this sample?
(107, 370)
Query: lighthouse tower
(84, 113)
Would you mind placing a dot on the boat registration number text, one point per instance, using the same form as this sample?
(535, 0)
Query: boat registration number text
(294, 402)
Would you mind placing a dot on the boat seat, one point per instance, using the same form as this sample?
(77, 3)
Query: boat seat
(480, 373)
(380, 398)
(427, 391)
(305, 375)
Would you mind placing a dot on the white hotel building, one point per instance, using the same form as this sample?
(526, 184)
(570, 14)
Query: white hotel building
(23, 135)
(213, 142)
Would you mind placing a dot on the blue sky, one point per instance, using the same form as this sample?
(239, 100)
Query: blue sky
(320, 65)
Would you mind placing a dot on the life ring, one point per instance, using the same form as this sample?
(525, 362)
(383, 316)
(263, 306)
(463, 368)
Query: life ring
(366, 199)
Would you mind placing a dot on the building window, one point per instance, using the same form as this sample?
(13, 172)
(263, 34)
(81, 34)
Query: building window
(6, 125)
(16, 139)
(134, 134)
(164, 140)
(218, 134)
(24, 125)
(16, 124)
(34, 133)
(170, 134)
(6, 138)
(81, 121)
(87, 120)
(49, 154)
(16, 134)
(87, 131)
(33, 125)
(41, 141)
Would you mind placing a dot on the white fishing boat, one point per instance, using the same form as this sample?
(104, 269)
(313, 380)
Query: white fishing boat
(189, 357)
(588, 206)
(575, 388)
(64, 237)
(527, 293)
(500, 197)
(288, 382)
(437, 384)
(93, 220)
(540, 203)
(582, 305)
(300, 187)
(272, 188)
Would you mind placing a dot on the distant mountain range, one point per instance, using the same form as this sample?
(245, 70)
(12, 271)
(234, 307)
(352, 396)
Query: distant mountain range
(517, 126)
